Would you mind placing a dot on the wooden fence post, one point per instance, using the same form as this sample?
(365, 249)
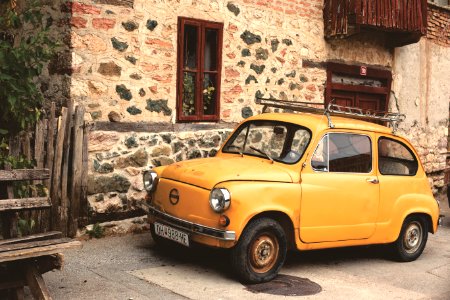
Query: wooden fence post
(77, 170)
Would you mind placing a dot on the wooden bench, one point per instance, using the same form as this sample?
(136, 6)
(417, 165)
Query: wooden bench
(24, 259)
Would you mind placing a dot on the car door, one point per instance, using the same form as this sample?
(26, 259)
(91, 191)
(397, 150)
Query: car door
(340, 190)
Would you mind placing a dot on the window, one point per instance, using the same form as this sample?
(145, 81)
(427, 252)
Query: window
(364, 87)
(276, 141)
(343, 152)
(394, 158)
(199, 66)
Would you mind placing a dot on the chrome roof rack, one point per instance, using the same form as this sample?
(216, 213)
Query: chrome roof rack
(333, 110)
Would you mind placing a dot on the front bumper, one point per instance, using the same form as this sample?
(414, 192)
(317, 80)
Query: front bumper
(224, 235)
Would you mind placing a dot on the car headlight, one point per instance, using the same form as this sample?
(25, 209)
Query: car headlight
(220, 199)
(150, 180)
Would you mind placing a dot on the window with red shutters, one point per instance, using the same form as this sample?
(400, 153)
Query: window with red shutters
(199, 67)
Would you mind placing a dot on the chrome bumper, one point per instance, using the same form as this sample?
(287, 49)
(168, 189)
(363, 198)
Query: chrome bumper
(191, 227)
(440, 220)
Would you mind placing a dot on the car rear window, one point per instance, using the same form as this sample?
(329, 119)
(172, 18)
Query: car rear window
(395, 158)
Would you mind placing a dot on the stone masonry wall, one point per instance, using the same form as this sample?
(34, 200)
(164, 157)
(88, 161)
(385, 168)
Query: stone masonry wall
(118, 159)
(124, 59)
(421, 90)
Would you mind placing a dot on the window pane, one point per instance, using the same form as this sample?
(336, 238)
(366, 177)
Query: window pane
(319, 160)
(189, 93)
(395, 158)
(190, 47)
(209, 94)
(211, 44)
(350, 153)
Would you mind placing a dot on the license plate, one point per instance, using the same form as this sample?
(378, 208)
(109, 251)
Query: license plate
(172, 234)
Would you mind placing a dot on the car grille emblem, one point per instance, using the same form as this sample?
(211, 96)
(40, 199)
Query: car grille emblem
(174, 197)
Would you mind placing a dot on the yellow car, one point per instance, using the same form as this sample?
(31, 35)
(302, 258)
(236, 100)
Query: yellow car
(300, 181)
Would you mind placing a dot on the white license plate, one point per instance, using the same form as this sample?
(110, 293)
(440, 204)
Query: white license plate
(172, 234)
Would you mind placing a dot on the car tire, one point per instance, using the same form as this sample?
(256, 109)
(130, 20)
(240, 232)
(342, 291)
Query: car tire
(412, 239)
(260, 252)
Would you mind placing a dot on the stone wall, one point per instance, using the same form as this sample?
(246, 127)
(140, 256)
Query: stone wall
(124, 59)
(117, 160)
(121, 63)
(421, 90)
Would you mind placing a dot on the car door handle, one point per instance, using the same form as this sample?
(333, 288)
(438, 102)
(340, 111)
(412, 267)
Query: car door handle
(373, 180)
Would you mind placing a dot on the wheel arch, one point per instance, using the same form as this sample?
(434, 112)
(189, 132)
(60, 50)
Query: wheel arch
(284, 220)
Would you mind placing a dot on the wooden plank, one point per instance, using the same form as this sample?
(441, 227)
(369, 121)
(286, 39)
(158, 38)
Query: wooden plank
(66, 170)
(51, 124)
(37, 252)
(36, 283)
(56, 177)
(19, 293)
(84, 179)
(25, 204)
(33, 244)
(39, 155)
(33, 237)
(24, 174)
(77, 170)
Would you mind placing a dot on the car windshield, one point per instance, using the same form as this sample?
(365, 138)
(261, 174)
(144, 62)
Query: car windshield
(273, 140)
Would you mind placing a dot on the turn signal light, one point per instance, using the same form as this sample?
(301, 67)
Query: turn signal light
(224, 221)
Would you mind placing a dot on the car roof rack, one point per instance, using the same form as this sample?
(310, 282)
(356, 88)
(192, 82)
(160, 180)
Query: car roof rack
(333, 109)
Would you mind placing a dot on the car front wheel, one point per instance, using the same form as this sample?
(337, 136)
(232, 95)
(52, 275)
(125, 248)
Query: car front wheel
(412, 239)
(260, 252)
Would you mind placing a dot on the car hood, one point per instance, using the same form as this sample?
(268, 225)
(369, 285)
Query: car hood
(207, 172)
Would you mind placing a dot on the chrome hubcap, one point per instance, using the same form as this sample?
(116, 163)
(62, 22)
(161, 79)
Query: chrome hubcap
(413, 237)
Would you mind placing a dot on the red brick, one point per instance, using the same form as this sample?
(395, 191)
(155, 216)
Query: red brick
(232, 28)
(154, 89)
(231, 55)
(78, 22)
(147, 67)
(230, 72)
(103, 23)
(158, 43)
(281, 60)
(226, 113)
(85, 9)
(311, 87)
(163, 79)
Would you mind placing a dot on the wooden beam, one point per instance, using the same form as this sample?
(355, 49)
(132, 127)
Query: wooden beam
(25, 203)
(24, 174)
(37, 251)
(36, 283)
(152, 127)
(33, 237)
(77, 170)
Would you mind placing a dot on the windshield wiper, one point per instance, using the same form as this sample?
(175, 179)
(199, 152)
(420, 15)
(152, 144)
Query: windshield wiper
(262, 152)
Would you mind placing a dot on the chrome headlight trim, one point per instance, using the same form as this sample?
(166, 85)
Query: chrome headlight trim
(219, 199)
(150, 179)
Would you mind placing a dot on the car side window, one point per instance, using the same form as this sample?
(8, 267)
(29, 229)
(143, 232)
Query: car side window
(395, 158)
(343, 152)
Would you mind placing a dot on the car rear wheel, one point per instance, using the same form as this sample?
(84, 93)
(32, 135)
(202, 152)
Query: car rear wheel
(412, 239)
(260, 252)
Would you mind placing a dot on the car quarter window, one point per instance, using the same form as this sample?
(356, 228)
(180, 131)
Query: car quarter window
(343, 152)
(395, 158)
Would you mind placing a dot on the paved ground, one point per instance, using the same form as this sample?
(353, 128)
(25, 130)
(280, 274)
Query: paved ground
(130, 267)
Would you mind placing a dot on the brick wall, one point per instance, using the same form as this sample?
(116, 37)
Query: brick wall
(438, 25)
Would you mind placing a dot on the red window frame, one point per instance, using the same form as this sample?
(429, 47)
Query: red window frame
(333, 89)
(202, 26)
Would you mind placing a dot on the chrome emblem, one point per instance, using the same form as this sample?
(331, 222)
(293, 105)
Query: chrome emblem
(174, 197)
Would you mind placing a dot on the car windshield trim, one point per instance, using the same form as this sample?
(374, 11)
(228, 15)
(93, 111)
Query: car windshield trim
(245, 129)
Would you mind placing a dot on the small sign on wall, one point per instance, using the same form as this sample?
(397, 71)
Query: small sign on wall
(363, 71)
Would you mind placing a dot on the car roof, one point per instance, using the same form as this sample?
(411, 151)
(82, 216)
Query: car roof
(320, 122)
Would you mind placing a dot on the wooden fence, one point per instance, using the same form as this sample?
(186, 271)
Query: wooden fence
(345, 17)
(58, 144)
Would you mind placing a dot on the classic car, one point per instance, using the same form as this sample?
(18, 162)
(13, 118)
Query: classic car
(308, 180)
